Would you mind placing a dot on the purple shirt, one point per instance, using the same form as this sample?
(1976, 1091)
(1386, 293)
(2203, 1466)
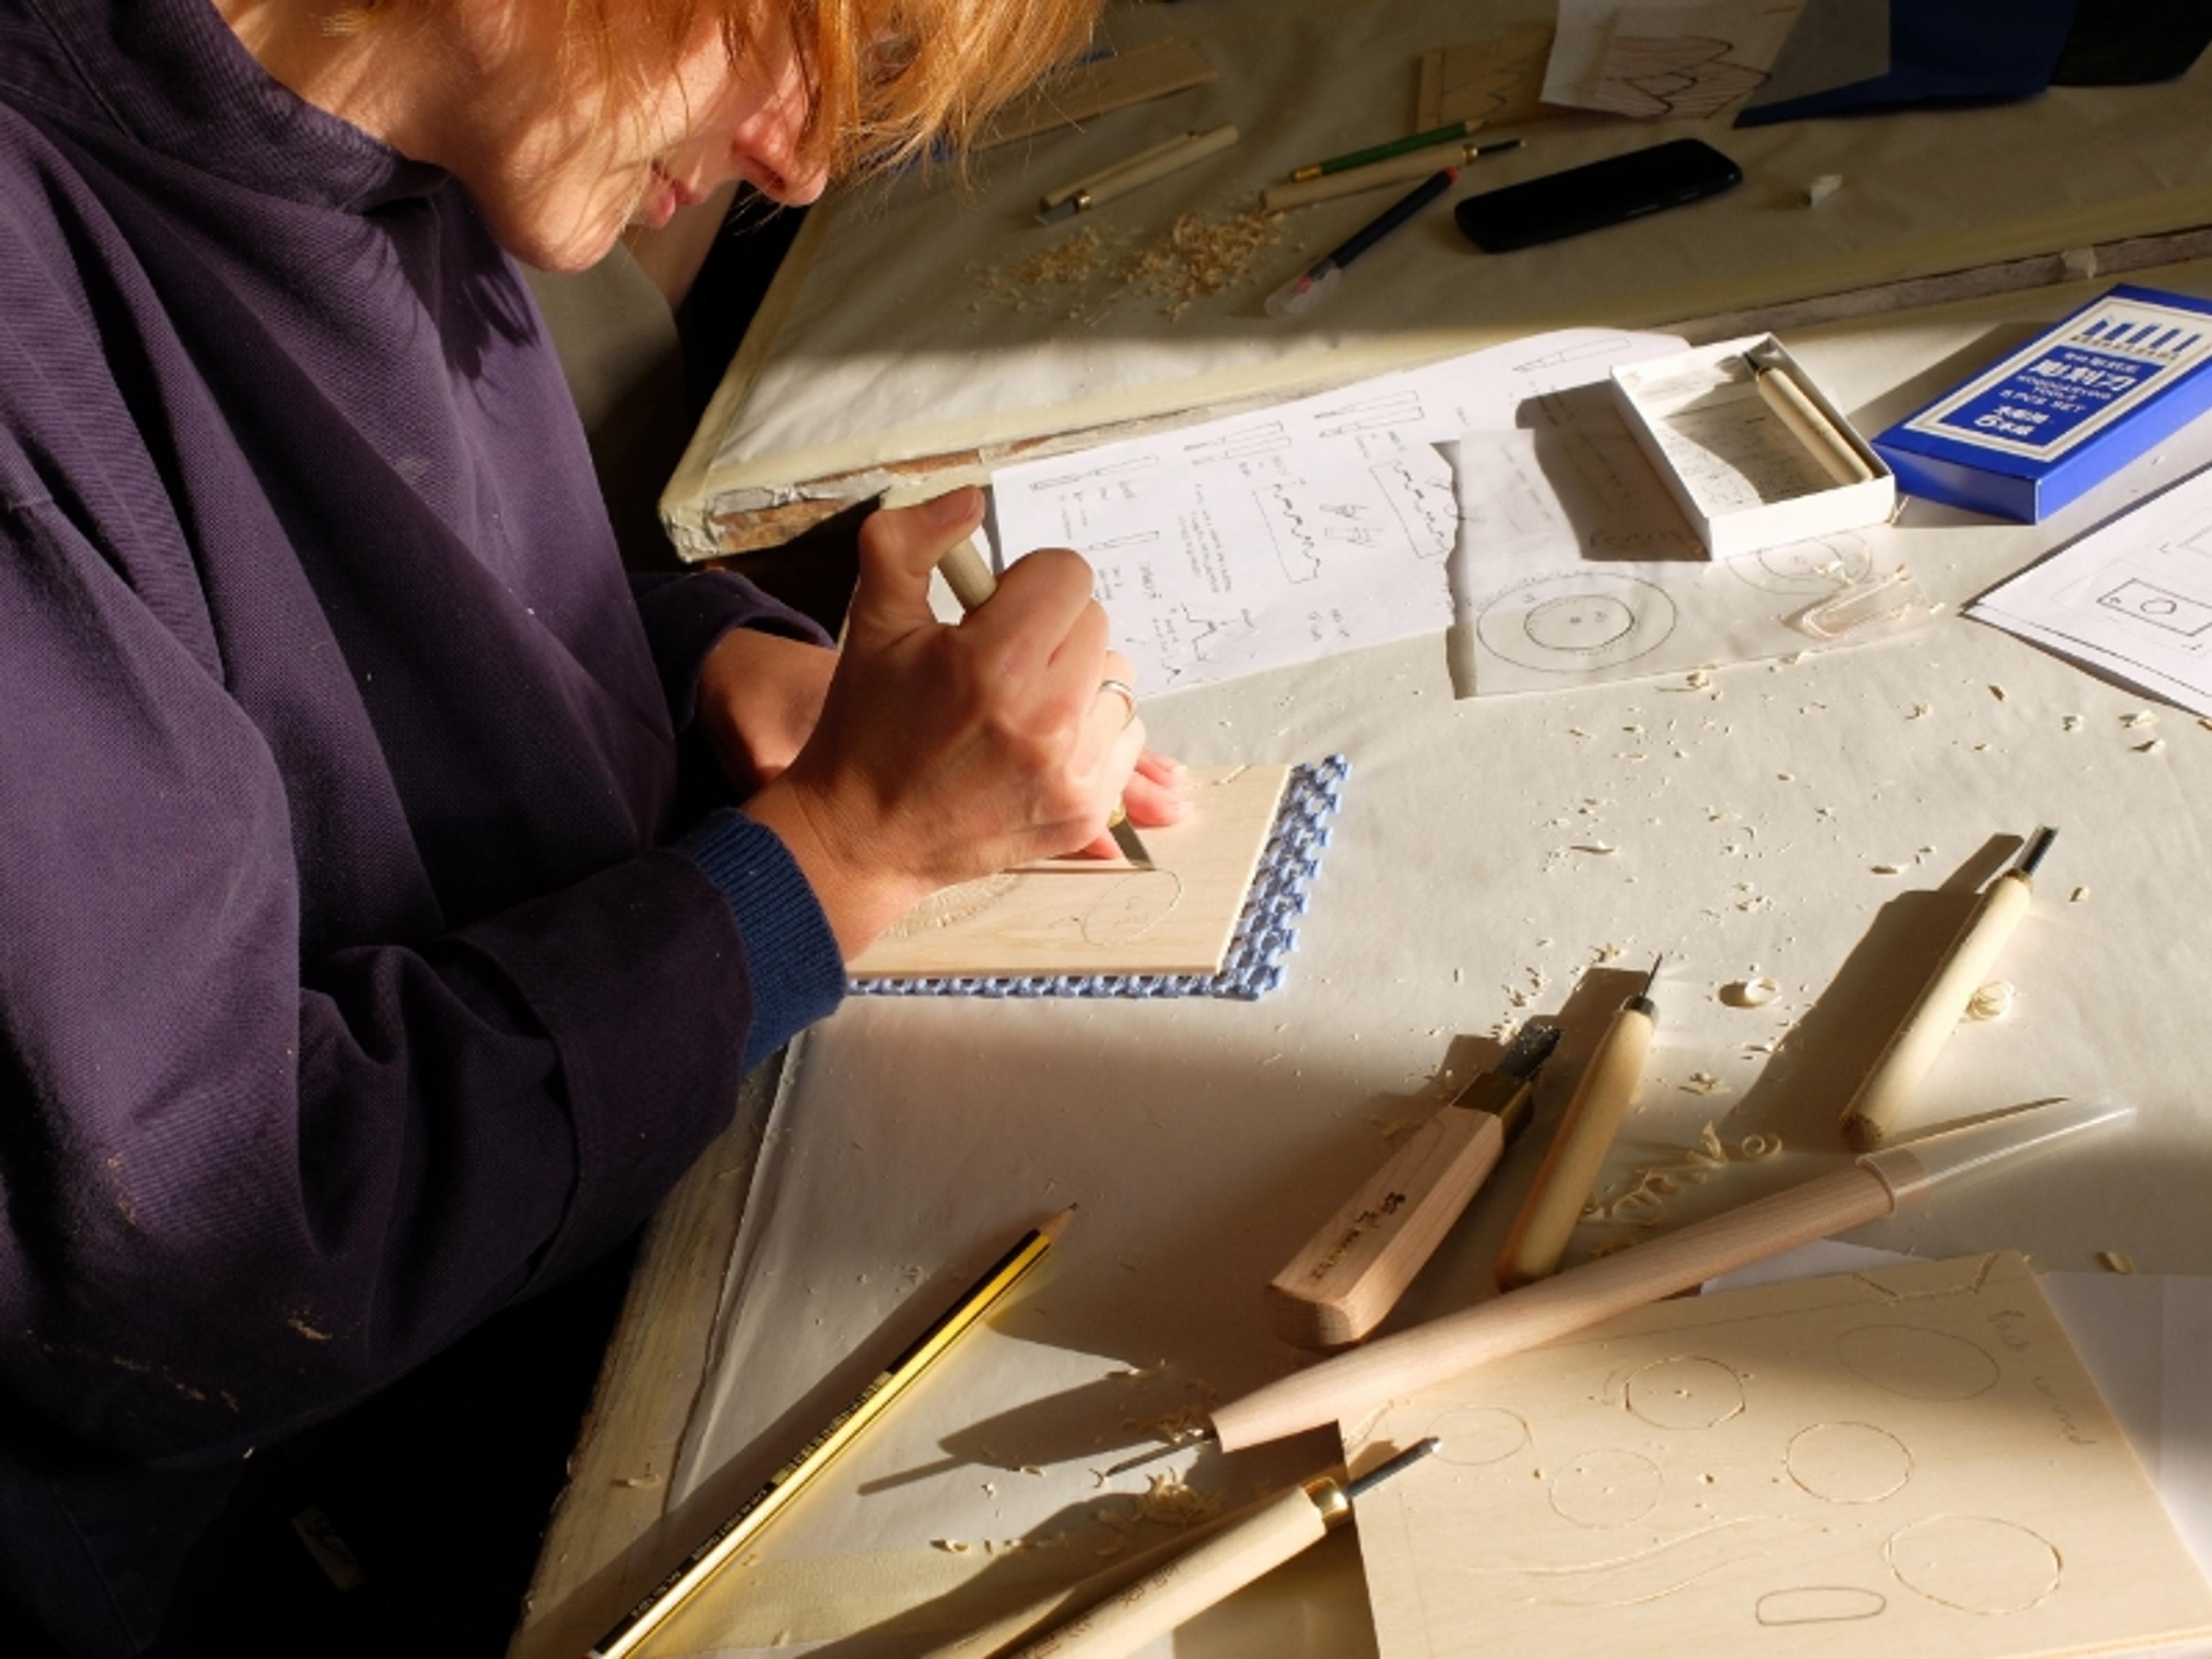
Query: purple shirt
(347, 987)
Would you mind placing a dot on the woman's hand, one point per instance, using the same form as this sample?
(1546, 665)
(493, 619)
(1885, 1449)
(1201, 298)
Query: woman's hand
(946, 753)
(760, 698)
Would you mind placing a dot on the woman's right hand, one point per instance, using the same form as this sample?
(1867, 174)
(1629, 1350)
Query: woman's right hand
(946, 752)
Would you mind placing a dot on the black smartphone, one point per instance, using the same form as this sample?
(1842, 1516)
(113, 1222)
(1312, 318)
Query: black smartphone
(1598, 193)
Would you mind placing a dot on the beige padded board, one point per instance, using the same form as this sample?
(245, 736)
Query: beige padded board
(1080, 916)
(896, 340)
(1905, 1463)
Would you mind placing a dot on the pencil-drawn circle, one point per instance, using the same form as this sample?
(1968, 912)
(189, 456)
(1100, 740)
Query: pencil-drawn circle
(1471, 1435)
(1606, 1488)
(950, 907)
(1132, 907)
(1918, 1363)
(1974, 1563)
(1683, 1393)
(1820, 1604)
(1848, 1462)
(1571, 623)
(1810, 568)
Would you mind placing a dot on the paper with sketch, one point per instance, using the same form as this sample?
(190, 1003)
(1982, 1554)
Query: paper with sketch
(1287, 533)
(2133, 597)
(1907, 1460)
(1664, 57)
(1574, 566)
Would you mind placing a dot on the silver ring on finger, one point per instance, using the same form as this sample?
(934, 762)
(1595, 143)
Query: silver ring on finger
(1124, 691)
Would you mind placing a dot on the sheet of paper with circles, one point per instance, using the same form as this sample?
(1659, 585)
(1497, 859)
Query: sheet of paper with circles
(1901, 1462)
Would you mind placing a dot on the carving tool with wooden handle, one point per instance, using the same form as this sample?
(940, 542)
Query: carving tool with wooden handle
(1540, 1233)
(1351, 1272)
(1941, 1004)
(1210, 1572)
(967, 573)
(1874, 1185)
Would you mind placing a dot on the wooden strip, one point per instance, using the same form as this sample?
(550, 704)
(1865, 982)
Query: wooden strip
(1092, 88)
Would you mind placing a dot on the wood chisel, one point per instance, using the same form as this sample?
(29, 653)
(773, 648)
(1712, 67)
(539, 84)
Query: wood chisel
(1539, 1234)
(1352, 1272)
(967, 573)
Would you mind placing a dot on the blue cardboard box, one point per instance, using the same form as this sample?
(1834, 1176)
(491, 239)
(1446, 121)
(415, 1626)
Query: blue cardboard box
(2080, 401)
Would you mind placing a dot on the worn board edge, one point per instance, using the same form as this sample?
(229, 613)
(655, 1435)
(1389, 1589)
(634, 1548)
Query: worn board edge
(1215, 854)
(607, 1525)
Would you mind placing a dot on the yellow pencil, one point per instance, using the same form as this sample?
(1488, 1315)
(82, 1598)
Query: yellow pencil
(661, 1601)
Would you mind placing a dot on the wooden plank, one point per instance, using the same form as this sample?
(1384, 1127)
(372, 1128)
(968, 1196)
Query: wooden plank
(1906, 1464)
(1076, 916)
(1093, 88)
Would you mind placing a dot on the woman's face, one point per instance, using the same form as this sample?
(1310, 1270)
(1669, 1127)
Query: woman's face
(558, 184)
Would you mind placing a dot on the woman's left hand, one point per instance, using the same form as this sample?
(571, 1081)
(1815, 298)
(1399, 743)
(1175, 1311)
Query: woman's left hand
(760, 695)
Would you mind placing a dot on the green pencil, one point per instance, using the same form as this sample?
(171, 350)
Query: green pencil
(1360, 158)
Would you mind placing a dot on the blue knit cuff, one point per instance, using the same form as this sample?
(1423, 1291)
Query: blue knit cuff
(792, 957)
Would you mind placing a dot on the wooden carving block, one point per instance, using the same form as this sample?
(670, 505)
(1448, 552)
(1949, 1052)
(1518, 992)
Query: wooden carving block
(1087, 916)
(1493, 83)
(1905, 1463)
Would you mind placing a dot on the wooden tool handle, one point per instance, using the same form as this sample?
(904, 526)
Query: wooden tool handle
(1144, 170)
(1941, 1004)
(1554, 1204)
(1357, 1381)
(1194, 1581)
(1812, 428)
(1352, 1272)
(967, 573)
(1026, 1620)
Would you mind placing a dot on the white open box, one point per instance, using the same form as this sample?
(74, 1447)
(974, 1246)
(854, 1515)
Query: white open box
(1745, 480)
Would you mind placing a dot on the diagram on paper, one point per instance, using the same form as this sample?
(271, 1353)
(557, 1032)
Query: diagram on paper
(1907, 1460)
(1289, 533)
(2134, 597)
(1573, 566)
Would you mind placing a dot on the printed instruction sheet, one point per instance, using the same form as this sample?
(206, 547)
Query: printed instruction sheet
(2133, 597)
(1290, 533)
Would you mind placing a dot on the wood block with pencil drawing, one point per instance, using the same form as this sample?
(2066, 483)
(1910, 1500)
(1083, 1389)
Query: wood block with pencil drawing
(1084, 915)
(1203, 907)
(1901, 1463)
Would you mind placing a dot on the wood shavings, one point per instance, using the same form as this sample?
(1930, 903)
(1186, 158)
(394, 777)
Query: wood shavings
(1698, 679)
(1029, 1468)
(1195, 258)
(2079, 896)
(1173, 1427)
(1138, 1373)
(1048, 275)
(1757, 1149)
(1992, 1001)
(1705, 1082)
(2069, 722)
(952, 1546)
(1750, 993)
(1643, 1202)
(1888, 869)
(2115, 1261)
(1168, 1501)
(638, 1482)
(1921, 711)
(2155, 746)
(2135, 719)
(1998, 692)
(1600, 847)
